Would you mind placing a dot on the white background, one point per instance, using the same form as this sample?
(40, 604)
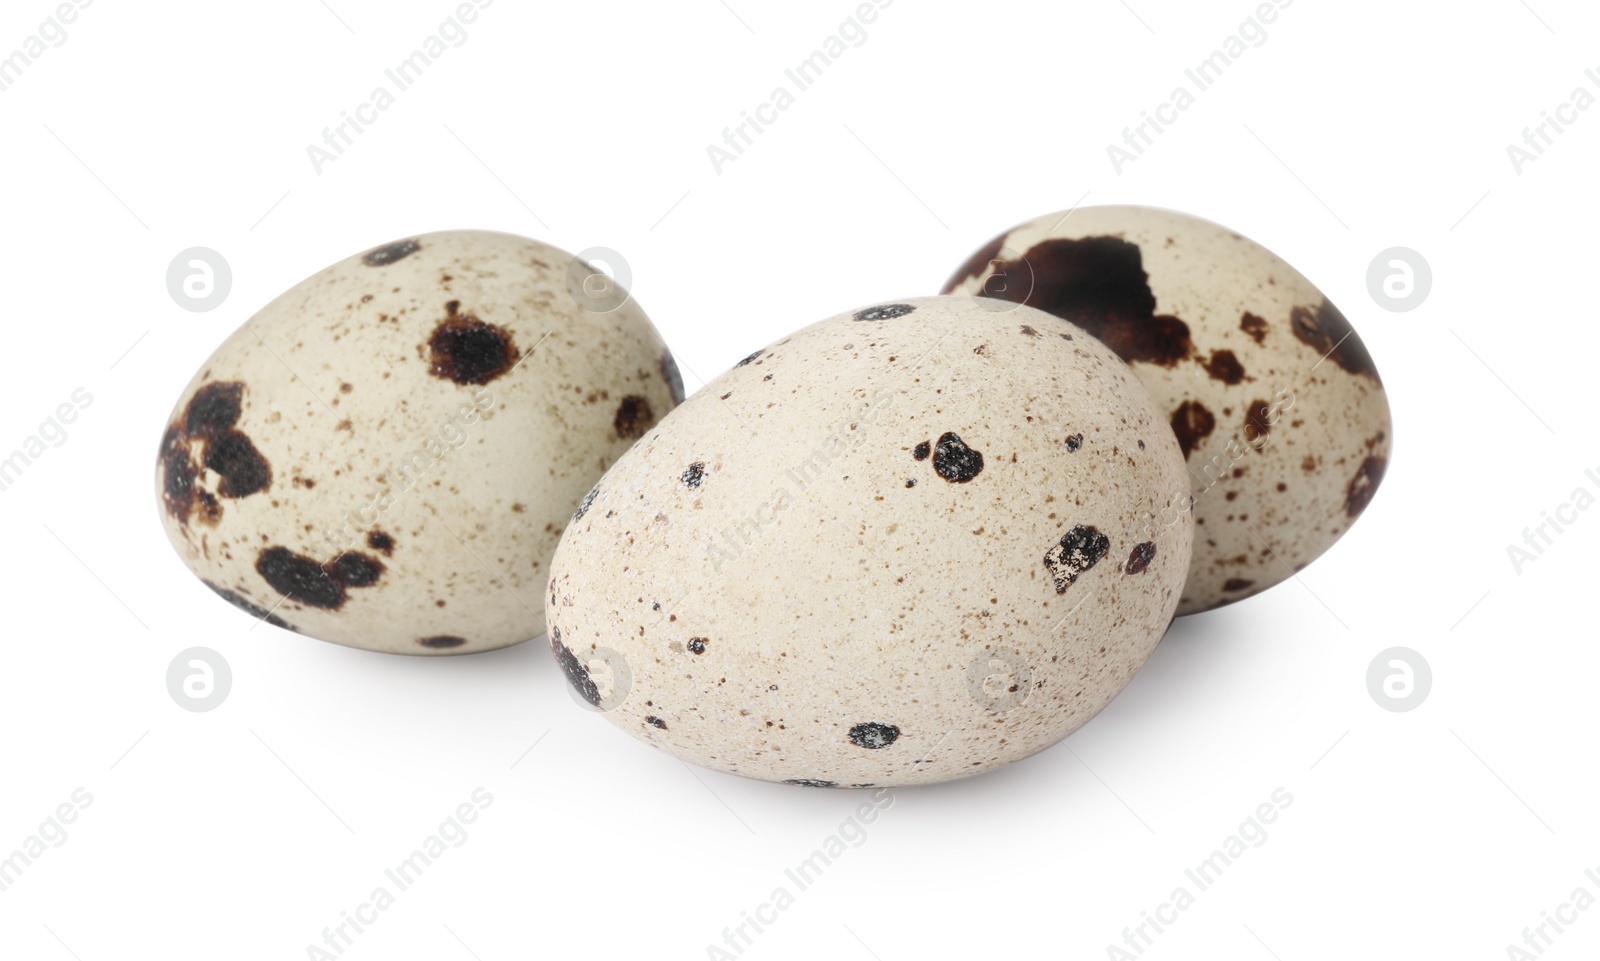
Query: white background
(1356, 126)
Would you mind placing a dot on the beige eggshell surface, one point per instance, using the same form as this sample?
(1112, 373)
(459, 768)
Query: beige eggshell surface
(1274, 399)
(907, 544)
(386, 455)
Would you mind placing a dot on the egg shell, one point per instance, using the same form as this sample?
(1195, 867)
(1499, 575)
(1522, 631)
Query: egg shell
(1274, 398)
(386, 455)
(910, 543)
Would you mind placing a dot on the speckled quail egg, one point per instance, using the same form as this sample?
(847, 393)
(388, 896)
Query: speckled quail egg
(1274, 399)
(385, 456)
(907, 544)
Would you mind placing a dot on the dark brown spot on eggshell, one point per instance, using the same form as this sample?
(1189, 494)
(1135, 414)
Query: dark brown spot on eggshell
(1080, 549)
(466, 350)
(300, 578)
(874, 735)
(577, 674)
(208, 510)
(1327, 331)
(1256, 424)
(1140, 558)
(380, 541)
(254, 610)
(178, 475)
(303, 580)
(1098, 283)
(885, 312)
(955, 461)
(584, 504)
(1255, 326)
(694, 475)
(1364, 485)
(356, 570)
(976, 264)
(1224, 366)
(209, 420)
(669, 373)
(389, 253)
(921, 451)
(242, 469)
(634, 417)
(1192, 423)
(442, 642)
(213, 408)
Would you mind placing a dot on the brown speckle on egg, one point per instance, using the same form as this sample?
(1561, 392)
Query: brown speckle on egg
(1079, 549)
(885, 312)
(467, 350)
(442, 642)
(669, 373)
(1326, 330)
(1224, 366)
(634, 417)
(1257, 423)
(391, 253)
(208, 422)
(1255, 326)
(254, 610)
(955, 461)
(1098, 283)
(1192, 424)
(874, 735)
(1140, 558)
(304, 580)
(1362, 486)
